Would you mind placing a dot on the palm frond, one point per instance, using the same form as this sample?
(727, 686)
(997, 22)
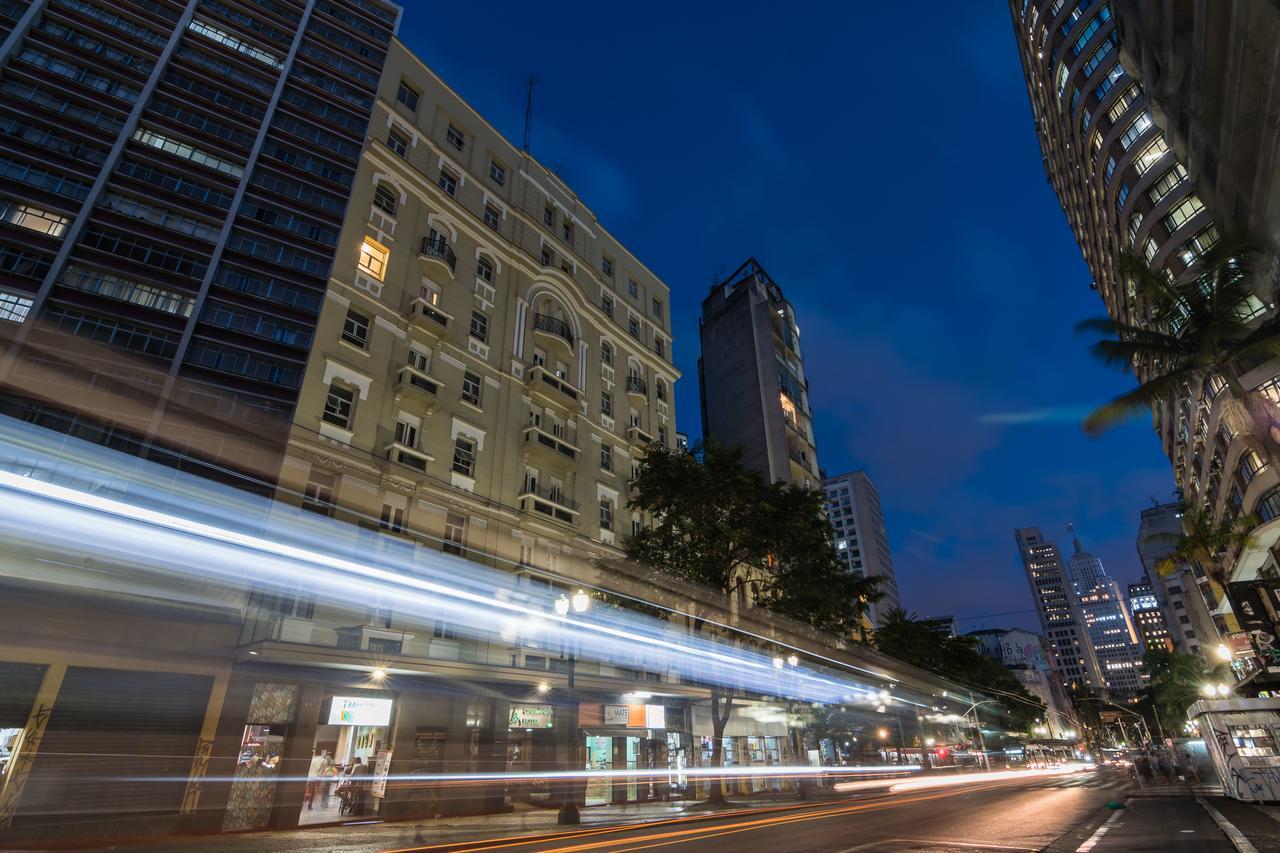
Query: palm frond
(1139, 400)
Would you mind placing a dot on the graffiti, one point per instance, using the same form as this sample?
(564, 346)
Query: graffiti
(26, 748)
(1241, 781)
(195, 783)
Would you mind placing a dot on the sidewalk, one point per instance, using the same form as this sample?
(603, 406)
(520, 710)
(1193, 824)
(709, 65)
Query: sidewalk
(1170, 818)
(370, 835)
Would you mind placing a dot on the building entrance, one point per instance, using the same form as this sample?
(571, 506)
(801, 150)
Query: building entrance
(350, 755)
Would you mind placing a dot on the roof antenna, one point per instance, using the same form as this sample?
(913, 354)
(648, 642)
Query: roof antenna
(528, 114)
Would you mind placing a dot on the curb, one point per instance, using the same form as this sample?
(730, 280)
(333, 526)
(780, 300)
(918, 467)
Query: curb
(1235, 836)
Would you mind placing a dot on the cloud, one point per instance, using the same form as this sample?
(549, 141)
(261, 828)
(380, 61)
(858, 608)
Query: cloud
(1050, 415)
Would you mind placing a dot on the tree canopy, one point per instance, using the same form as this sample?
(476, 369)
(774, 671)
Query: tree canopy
(718, 524)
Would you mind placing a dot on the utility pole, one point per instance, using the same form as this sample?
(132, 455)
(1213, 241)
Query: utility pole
(528, 114)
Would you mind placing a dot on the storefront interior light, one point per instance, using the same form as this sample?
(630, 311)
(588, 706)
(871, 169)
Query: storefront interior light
(581, 601)
(543, 687)
(882, 733)
(793, 660)
(378, 674)
(778, 662)
(562, 605)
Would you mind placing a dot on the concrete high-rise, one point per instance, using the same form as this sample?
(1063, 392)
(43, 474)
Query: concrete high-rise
(176, 177)
(1148, 617)
(1153, 149)
(1108, 627)
(1182, 591)
(853, 505)
(1059, 610)
(751, 377)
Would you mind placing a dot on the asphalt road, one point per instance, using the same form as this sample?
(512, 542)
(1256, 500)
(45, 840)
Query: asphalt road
(1030, 815)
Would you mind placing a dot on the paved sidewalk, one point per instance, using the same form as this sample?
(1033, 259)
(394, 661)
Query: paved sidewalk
(1152, 824)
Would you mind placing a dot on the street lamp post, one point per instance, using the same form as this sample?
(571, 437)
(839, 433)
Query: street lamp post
(977, 724)
(568, 814)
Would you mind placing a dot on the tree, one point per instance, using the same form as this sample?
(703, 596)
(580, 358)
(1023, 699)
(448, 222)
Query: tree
(719, 525)
(1206, 541)
(927, 644)
(1176, 681)
(1194, 330)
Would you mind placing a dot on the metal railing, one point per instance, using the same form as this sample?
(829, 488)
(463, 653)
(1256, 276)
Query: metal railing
(438, 248)
(637, 385)
(553, 325)
(555, 496)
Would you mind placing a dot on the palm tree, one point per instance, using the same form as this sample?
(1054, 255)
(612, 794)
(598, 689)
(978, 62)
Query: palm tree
(1192, 329)
(1207, 541)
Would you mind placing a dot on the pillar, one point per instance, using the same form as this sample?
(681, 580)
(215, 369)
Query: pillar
(28, 743)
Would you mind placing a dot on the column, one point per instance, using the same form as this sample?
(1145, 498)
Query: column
(28, 744)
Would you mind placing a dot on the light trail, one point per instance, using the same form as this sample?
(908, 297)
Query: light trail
(930, 782)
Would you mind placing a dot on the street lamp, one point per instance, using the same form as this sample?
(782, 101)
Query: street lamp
(977, 724)
(1223, 652)
(568, 814)
(1220, 691)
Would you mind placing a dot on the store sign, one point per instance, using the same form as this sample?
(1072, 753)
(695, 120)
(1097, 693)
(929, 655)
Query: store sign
(531, 717)
(1257, 606)
(616, 715)
(655, 717)
(359, 711)
(635, 716)
(381, 767)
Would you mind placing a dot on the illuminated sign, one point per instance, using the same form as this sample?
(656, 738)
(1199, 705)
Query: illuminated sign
(359, 711)
(616, 715)
(636, 716)
(530, 717)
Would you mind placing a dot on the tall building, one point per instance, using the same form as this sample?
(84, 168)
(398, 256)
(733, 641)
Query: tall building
(1148, 618)
(1108, 626)
(177, 174)
(1153, 149)
(1025, 655)
(1059, 610)
(853, 505)
(751, 377)
(1183, 593)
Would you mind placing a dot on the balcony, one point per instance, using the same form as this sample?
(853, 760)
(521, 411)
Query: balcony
(638, 437)
(413, 379)
(427, 317)
(552, 389)
(798, 458)
(435, 250)
(553, 327)
(535, 437)
(637, 386)
(549, 502)
(402, 454)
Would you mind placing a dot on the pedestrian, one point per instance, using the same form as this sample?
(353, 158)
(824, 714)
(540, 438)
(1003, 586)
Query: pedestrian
(359, 775)
(1164, 771)
(1187, 768)
(314, 773)
(1143, 765)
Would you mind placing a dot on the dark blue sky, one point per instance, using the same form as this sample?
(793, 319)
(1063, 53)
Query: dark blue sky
(884, 169)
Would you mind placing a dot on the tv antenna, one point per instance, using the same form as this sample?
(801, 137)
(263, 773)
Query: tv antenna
(528, 113)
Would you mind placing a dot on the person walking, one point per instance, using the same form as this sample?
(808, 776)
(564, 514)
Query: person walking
(314, 775)
(359, 776)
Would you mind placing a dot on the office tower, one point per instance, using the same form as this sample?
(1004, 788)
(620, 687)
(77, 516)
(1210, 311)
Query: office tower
(490, 362)
(853, 505)
(1107, 624)
(1059, 610)
(1182, 591)
(176, 179)
(751, 377)
(1148, 618)
(1158, 165)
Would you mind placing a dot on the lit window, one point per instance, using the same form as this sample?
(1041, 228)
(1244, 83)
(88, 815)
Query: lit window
(33, 218)
(225, 38)
(1166, 183)
(1183, 212)
(1123, 101)
(408, 96)
(13, 307)
(1136, 129)
(373, 258)
(1150, 155)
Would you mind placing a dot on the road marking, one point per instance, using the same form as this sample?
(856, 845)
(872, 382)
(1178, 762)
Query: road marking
(1099, 832)
(1237, 838)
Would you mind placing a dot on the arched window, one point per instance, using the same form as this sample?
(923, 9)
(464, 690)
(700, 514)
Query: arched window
(1268, 505)
(386, 198)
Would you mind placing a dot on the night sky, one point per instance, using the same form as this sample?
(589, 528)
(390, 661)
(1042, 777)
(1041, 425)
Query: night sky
(884, 170)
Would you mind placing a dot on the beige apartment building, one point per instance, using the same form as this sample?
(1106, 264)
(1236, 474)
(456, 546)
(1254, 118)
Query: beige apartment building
(489, 361)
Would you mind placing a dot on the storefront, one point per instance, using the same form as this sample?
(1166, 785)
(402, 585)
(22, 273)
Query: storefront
(756, 735)
(350, 756)
(633, 737)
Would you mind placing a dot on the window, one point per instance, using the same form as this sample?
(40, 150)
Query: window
(464, 456)
(606, 404)
(1122, 195)
(1150, 155)
(338, 406)
(392, 518)
(318, 495)
(1103, 51)
(1091, 28)
(484, 269)
(656, 308)
(1269, 505)
(1136, 129)
(606, 353)
(633, 326)
(471, 388)
(407, 433)
(662, 435)
(455, 137)
(1123, 101)
(398, 142)
(606, 266)
(497, 172)
(1166, 183)
(355, 329)
(13, 307)
(492, 216)
(633, 288)
(549, 215)
(442, 630)
(373, 258)
(448, 182)
(1251, 464)
(606, 457)
(566, 231)
(455, 534)
(606, 305)
(479, 327)
(385, 199)
(606, 514)
(661, 388)
(33, 218)
(408, 96)
(1183, 212)
(1111, 168)
(546, 257)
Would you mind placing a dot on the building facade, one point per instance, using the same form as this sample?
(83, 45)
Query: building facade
(754, 394)
(1148, 617)
(1182, 591)
(1107, 622)
(177, 176)
(1025, 655)
(1153, 150)
(853, 506)
(1059, 610)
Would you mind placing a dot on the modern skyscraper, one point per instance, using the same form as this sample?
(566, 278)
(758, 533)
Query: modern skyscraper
(177, 174)
(1182, 591)
(751, 377)
(1148, 618)
(1156, 167)
(1107, 624)
(1059, 610)
(853, 505)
